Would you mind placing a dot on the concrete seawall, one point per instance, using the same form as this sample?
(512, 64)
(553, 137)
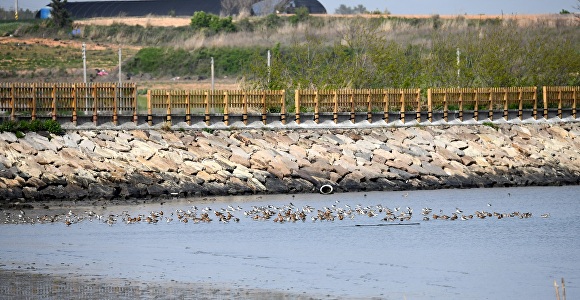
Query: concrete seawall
(138, 164)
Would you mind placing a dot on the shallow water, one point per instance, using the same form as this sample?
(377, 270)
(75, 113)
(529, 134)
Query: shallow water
(516, 258)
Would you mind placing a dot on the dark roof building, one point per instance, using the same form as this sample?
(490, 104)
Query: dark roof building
(267, 7)
(140, 8)
(92, 9)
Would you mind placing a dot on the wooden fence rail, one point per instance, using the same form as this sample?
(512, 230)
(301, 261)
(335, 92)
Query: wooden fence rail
(111, 100)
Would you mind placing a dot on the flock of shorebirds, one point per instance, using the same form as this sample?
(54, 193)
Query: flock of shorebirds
(279, 214)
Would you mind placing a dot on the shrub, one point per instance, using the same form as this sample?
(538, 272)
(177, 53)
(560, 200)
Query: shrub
(22, 127)
(202, 20)
(301, 14)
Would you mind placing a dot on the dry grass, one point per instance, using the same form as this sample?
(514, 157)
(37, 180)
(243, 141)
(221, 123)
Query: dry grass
(142, 21)
(523, 20)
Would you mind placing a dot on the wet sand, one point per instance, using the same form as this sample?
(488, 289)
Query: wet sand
(17, 284)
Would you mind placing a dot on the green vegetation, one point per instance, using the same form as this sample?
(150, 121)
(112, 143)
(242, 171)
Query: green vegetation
(40, 61)
(20, 127)
(204, 21)
(26, 14)
(60, 16)
(180, 62)
(324, 52)
(490, 124)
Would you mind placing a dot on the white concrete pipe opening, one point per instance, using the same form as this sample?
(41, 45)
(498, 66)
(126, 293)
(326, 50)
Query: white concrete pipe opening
(326, 189)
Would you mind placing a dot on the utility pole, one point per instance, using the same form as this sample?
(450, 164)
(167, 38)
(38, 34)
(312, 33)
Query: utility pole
(269, 65)
(119, 65)
(212, 84)
(85, 77)
(458, 62)
(212, 74)
(84, 63)
(16, 10)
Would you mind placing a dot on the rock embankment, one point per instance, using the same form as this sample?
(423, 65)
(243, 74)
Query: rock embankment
(138, 164)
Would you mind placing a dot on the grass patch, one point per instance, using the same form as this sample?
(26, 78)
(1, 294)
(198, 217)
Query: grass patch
(490, 124)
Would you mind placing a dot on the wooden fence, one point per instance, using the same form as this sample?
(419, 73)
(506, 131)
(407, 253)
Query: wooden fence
(52, 100)
(112, 101)
(483, 100)
(357, 101)
(561, 97)
(226, 103)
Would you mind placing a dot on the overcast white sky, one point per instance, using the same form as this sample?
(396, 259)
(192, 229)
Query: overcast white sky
(429, 7)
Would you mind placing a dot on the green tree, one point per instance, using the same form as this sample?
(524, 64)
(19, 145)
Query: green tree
(60, 15)
(347, 10)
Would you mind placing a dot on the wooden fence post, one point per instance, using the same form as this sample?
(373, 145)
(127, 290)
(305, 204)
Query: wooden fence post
(33, 114)
(445, 107)
(135, 102)
(352, 110)
(115, 104)
(297, 105)
(168, 108)
(461, 105)
(283, 108)
(12, 102)
(207, 108)
(476, 107)
(54, 102)
(574, 103)
(264, 109)
(369, 108)
(402, 100)
(545, 95)
(418, 103)
(226, 109)
(245, 108)
(149, 109)
(385, 105)
(560, 103)
(188, 107)
(506, 105)
(429, 105)
(316, 107)
(535, 112)
(490, 109)
(335, 108)
(74, 105)
(95, 104)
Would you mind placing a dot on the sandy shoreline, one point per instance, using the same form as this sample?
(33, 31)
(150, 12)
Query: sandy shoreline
(18, 284)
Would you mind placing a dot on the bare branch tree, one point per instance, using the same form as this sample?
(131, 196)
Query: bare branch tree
(230, 7)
